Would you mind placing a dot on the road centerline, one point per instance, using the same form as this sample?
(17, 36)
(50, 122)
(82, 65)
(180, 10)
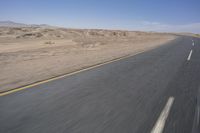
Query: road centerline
(160, 123)
(190, 54)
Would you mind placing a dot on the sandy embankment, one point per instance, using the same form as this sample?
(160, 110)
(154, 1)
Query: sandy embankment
(28, 55)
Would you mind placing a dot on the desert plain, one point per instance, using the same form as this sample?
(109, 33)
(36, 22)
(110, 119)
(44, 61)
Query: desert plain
(32, 54)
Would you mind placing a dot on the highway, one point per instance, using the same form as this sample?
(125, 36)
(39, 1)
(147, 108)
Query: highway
(152, 92)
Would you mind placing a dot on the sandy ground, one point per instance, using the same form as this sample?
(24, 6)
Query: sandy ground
(28, 55)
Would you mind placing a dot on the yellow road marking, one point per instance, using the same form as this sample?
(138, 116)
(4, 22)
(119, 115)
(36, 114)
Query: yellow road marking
(6, 92)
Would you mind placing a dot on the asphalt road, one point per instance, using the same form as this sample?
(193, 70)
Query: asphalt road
(155, 92)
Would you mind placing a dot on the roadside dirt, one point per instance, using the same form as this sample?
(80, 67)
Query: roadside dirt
(28, 55)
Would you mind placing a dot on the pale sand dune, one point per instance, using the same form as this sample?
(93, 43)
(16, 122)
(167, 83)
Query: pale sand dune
(29, 54)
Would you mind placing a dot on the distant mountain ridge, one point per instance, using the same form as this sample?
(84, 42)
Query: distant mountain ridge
(15, 24)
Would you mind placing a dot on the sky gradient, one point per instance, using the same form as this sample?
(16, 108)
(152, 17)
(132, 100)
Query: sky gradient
(147, 15)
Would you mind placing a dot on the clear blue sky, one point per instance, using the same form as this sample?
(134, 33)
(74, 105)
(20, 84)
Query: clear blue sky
(113, 14)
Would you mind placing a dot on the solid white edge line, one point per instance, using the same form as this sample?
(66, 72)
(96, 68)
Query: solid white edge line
(198, 115)
(159, 126)
(189, 56)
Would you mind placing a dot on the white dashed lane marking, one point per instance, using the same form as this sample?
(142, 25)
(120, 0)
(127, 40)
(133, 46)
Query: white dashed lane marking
(159, 126)
(189, 56)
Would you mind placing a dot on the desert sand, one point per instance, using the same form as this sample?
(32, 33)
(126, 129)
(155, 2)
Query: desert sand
(32, 54)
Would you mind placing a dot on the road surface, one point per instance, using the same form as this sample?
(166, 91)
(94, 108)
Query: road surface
(152, 92)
